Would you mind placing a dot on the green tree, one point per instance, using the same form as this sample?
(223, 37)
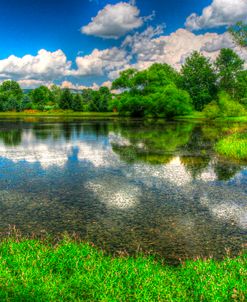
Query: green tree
(66, 100)
(241, 87)
(104, 99)
(228, 65)
(40, 97)
(125, 80)
(56, 93)
(199, 79)
(11, 96)
(171, 101)
(76, 103)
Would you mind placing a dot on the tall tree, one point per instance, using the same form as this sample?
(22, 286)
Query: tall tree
(41, 95)
(228, 65)
(66, 99)
(199, 79)
(76, 103)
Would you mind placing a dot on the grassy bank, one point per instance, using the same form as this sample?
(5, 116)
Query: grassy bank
(31, 270)
(233, 146)
(64, 113)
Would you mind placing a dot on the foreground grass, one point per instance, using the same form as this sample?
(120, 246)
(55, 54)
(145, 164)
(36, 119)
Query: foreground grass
(31, 270)
(233, 146)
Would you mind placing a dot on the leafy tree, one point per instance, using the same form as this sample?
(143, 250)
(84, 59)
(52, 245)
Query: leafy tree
(241, 87)
(228, 65)
(56, 93)
(76, 103)
(11, 96)
(158, 75)
(171, 101)
(199, 79)
(134, 105)
(125, 80)
(239, 33)
(41, 96)
(104, 99)
(66, 100)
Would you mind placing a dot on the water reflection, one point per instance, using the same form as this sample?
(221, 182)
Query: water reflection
(125, 185)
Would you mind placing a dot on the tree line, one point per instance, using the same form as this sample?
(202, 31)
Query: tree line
(217, 88)
(13, 98)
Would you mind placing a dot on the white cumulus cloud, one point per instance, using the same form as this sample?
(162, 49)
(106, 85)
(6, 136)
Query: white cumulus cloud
(100, 62)
(219, 13)
(114, 21)
(45, 65)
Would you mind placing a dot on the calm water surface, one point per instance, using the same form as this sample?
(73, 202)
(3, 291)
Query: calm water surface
(124, 185)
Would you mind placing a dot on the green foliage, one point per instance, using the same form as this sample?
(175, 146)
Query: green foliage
(212, 110)
(158, 75)
(233, 146)
(228, 107)
(172, 101)
(34, 271)
(151, 92)
(228, 65)
(125, 81)
(10, 96)
(76, 104)
(199, 79)
(239, 33)
(225, 107)
(100, 100)
(159, 91)
(133, 105)
(40, 97)
(241, 87)
(146, 81)
(66, 100)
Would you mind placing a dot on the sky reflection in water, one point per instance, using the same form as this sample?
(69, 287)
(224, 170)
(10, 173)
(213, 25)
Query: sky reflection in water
(157, 187)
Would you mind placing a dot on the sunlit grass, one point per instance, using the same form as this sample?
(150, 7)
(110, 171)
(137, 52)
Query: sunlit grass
(31, 270)
(233, 146)
(58, 113)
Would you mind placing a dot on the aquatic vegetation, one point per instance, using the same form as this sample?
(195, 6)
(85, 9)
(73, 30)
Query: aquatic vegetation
(233, 146)
(32, 270)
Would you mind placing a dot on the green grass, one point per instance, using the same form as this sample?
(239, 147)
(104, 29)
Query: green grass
(233, 146)
(32, 270)
(194, 116)
(238, 119)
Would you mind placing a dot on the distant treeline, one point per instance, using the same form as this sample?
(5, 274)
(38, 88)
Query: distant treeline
(218, 89)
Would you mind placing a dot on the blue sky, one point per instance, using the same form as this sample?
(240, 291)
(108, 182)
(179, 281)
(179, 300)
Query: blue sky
(55, 26)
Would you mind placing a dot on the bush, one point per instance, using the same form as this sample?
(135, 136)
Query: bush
(225, 107)
(230, 108)
(212, 110)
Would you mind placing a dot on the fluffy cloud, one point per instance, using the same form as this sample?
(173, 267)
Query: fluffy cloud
(30, 84)
(114, 21)
(173, 49)
(100, 62)
(70, 85)
(45, 66)
(219, 13)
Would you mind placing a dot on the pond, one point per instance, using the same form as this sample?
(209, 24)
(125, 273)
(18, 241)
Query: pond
(125, 185)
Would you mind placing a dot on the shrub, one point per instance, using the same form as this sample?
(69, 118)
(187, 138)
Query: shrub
(212, 110)
(228, 107)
